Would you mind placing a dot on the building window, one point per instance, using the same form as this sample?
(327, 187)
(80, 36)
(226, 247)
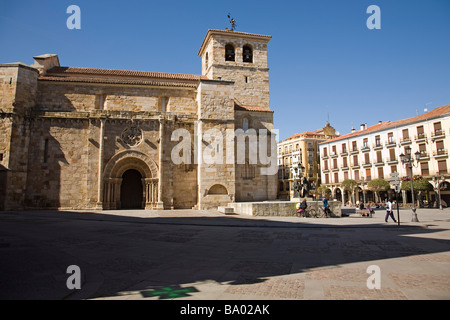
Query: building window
(368, 174)
(379, 158)
(245, 124)
(442, 166)
(424, 169)
(380, 173)
(420, 132)
(1, 156)
(437, 128)
(423, 150)
(365, 143)
(45, 159)
(390, 137)
(440, 147)
(101, 98)
(229, 53)
(246, 79)
(336, 177)
(247, 54)
(392, 154)
(405, 134)
(357, 175)
(377, 141)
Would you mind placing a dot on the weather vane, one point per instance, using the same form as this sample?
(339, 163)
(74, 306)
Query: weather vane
(232, 22)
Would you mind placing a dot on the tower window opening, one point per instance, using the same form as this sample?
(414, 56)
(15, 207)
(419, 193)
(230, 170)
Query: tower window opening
(229, 53)
(247, 54)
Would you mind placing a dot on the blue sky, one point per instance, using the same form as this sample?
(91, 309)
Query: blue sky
(324, 62)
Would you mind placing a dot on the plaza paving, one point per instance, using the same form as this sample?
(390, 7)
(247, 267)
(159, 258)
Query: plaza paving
(205, 255)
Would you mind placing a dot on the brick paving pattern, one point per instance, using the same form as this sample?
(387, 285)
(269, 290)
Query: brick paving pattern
(271, 288)
(334, 292)
(421, 281)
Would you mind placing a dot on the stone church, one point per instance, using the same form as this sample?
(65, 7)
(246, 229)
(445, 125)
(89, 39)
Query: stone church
(88, 138)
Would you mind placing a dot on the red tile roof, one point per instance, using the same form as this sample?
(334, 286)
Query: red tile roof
(439, 111)
(251, 108)
(122, 73)
(112, 76)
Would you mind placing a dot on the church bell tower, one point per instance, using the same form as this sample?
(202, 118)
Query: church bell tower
(242, 58)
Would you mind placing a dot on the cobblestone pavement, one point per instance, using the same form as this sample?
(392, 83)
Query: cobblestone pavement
(204, 255)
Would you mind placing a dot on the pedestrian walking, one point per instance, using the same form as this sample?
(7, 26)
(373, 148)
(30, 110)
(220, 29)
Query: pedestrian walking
(389, 211)
(325, 207)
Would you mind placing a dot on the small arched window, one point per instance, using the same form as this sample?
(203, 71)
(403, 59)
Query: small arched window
(245, 124)
(229, 52)
(247, 54)
(206, 60)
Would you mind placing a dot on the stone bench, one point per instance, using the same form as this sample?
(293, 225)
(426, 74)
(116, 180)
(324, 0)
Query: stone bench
(226, 210)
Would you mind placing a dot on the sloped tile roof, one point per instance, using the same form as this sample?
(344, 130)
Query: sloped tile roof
(113, 76)
(439, 111)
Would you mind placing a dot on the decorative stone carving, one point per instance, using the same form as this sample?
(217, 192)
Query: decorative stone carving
(132, 136)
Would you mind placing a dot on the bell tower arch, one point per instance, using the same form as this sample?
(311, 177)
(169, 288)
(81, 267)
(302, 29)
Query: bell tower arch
(239, 57)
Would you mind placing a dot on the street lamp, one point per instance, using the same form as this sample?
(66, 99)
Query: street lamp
(409, 162)
(297, 171)
(437, 182)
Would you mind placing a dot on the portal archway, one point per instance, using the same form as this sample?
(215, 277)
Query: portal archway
(131, 190)
(130, 181)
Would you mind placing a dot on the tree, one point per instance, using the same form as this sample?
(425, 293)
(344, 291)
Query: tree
(420, 184)
(378, 185)
(350, 185)
(324, 190)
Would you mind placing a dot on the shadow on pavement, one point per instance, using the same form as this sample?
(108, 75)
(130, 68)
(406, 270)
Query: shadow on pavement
(162, 257)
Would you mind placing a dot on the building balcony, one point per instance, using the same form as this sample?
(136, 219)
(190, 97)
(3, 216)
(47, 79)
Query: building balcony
(367, 164)
(333, 155)
(420, 137)
(354, 151)
(344, 168)
(391, 161)
(325, 156)
(344, 153)
(377, 146)
(424, 156)
(389, 144)
(335, 169)
(355, 166)
(405, 141)
(365, 149)
(379, 163)
(440, 153)
(437, 134)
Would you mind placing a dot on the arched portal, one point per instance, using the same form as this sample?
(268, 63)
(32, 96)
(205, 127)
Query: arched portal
(130, 181)
(131, 190)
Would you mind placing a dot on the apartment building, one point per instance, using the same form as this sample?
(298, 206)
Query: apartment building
(300, 150)
(374, 152)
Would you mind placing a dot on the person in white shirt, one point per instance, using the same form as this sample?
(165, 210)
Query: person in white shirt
(389, 211)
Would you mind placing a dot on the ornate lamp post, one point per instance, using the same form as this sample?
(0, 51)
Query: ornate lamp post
(408, 161)
(297, 172)
(437, 182)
